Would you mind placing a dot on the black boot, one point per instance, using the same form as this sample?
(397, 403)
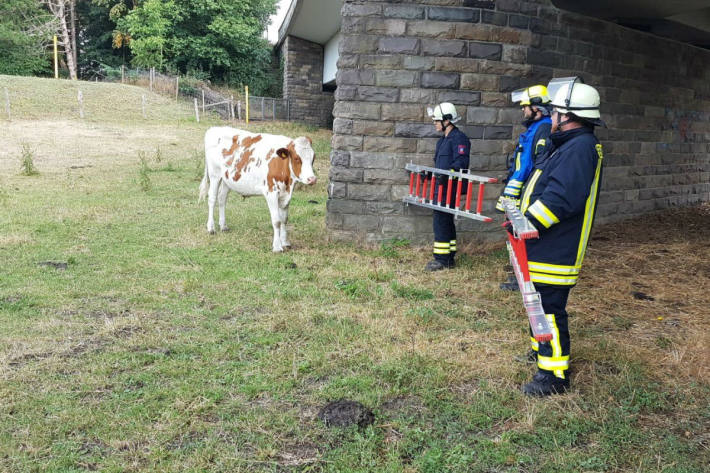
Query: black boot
(545, 384)
(529, 358)
(436, 265)
(511, 284)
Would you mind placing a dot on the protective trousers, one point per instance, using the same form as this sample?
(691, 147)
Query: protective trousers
(444, 238)
(553, 356)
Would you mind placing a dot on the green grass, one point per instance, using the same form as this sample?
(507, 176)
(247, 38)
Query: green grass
(161, 348)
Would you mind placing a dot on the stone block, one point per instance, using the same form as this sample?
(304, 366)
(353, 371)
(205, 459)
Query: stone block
(516, 54)
(346, 92)
(338, 190)
(419, 63)
(508, 5)
(375, 128)
(399, 225)
(384, 208)
(401, 111)
(459, 97)
(348, 61)
(340, 158)
(431, 29)
(367, 9)
(405, 12)
(398, 45)
(510, 83)
(377, 94)
(494, 18)
(355, 77)
(481, 115)
(380, 61)
(359, 44)
(453, 14)
(361, 223)
(347, 142)
(379, 144)
(454, 64)
(490, 51)
(343, 206)
(342, 174)
(487, 4)
(369, 192)
(361, 110)
(440, 80)
(498, 132)
(343, 126)
(421, 96)
(379, 26)
(473, 132)
(371, 160)
(416, 130)
(494, 99)
(385, 176)
(395, 78)
(433, 47)
(482, 82)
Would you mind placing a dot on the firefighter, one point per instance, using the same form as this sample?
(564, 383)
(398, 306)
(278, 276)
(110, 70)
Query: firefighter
(534, 103)
(452, 154)
(560, 199)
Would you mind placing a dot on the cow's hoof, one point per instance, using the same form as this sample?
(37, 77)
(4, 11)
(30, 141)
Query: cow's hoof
(225, 229)
(211, 232)
(278, 250)
(286, 246)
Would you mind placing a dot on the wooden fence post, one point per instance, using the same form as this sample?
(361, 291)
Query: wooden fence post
(80, 97)
(203, 101)
(262, 109)
(288, 110)
(239, 109)
(273, 109)
(143, 105)
(123, 73)
(197, 112)
(7, 103)
(231, 107)
(150, 78)
(177, 86)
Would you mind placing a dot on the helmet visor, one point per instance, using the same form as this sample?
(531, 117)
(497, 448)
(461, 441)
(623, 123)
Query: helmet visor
(520, 95)
(556, 84)
(430, 111)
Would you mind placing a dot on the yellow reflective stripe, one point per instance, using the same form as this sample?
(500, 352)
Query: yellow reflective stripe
(556, 347)
(515, 183)
(512, 192)
(529, 189)
(552, 279)
(441, 244)
(517, 161)
(589, 209)
(452, 242)
(553, 268)
(546, 363)
(543, 214)
(441, 252)
(541, 142)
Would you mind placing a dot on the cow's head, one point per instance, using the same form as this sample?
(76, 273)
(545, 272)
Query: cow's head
(300, 155)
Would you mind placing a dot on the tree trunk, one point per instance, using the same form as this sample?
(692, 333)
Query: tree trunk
(72, 5)
(58, 9)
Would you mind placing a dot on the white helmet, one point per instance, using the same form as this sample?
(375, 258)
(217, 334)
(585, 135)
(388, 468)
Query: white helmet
(443, 111)
(573, 96)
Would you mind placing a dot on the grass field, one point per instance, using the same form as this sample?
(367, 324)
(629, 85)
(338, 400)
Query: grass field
(143, 344)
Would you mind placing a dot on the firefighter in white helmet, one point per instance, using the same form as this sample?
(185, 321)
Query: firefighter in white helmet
(535, 104)
(560, 199)
(452, 154)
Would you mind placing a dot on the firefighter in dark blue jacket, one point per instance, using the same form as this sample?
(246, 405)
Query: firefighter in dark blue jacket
(560, 199)
(452, 154)
(534, 102)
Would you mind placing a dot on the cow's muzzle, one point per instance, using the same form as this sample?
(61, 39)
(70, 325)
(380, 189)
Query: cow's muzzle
(311, 180)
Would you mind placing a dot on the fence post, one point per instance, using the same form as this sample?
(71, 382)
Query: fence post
(239, 109)
(80, 97)
(197, 112)
(7, 103)
(262, 109)
(246, 101)
(177, 86)
(273, 109)
(123, 73)
(143, 105)
(288, 110)
(231, 107)
(203, 101)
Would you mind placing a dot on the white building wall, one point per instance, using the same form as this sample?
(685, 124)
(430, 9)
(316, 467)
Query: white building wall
(330, 58)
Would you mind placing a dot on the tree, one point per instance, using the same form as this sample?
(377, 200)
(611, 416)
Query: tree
(25, 35)
(63, 12)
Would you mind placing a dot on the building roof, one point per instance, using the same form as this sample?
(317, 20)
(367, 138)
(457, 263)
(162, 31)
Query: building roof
(312, 20)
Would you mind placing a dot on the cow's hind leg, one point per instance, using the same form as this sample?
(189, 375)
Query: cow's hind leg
(272, 200)
(222, 199)
(211, 200)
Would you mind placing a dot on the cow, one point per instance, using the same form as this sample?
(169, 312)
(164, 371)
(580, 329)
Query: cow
(255, 164)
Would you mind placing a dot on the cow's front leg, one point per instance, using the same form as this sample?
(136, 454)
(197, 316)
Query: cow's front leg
(222, 198)
(272, 200)
(283, 216)
(211, 200)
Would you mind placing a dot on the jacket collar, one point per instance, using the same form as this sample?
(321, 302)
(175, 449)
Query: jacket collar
(561, 137)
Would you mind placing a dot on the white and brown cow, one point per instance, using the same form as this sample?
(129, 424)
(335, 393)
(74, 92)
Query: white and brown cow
(255, 164)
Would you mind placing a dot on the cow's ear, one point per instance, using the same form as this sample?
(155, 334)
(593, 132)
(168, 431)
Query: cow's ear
(310, 141)
(282, 153)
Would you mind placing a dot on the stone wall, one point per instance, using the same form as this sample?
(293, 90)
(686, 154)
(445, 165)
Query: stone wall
(303, 82)
(398, 57)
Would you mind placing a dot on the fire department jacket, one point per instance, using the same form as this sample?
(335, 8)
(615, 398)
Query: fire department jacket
(531, 146)
(452, 151)
(560, 199)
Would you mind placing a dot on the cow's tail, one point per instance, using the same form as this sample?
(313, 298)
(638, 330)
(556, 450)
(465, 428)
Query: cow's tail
(205, 184)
